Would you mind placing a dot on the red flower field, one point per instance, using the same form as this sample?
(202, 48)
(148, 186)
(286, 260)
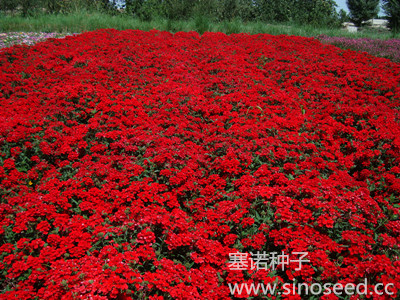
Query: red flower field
(136, 165)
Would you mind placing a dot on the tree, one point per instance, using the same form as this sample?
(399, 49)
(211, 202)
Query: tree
(8, 5)
(226, 9)
(343, 16)
(52, 6)
(205, 8)
(316, 12)
(362, 10)
(392, 10)
(276, 10)
(134, 7)
(28, 7)
(246, 10)
(177, 9)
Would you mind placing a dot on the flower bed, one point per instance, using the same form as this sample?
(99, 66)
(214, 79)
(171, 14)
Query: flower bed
(135, 164)
(27, 38)
(383, 48)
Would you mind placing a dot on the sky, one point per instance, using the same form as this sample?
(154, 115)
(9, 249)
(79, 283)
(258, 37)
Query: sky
(341, 5)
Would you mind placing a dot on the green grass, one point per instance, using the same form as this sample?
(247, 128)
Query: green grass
(88, 21)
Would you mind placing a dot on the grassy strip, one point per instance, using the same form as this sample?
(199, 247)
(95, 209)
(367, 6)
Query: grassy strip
(88, 21)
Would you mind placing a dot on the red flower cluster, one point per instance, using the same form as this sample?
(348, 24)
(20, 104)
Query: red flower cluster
(133, 163)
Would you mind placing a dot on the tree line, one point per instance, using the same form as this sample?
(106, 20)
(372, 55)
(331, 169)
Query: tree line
(312, 12)
(364, 10)
(318, 12)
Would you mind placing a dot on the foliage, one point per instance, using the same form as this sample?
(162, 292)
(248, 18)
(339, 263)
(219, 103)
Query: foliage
(28, 7)
(33, 7)
(313, 12)
(276, 11)
(392, 10)
(177, 9)
(8, 5)
(144, 10)
(362, 10)
(317, 12)
(343, 16)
